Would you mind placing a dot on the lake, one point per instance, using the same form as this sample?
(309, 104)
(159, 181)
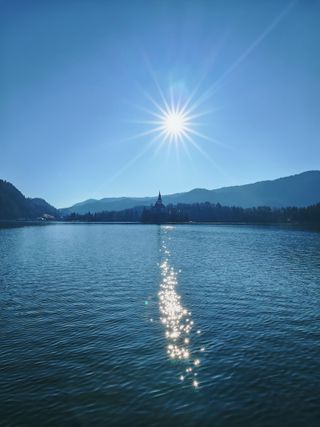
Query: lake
(195, 325)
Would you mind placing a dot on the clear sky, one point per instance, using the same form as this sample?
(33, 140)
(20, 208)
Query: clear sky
(77, 77)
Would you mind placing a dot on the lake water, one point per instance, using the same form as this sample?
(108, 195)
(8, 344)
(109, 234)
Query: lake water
(195, 325)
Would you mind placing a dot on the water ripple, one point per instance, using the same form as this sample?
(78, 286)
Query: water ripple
(81, 342)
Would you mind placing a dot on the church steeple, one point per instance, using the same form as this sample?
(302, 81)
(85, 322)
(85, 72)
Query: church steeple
(159, 204)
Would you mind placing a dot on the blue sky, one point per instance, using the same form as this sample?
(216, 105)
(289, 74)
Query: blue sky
(77, 76)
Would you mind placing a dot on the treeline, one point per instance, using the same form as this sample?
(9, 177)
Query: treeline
(205, 212)
(126, 215)
(210, 212)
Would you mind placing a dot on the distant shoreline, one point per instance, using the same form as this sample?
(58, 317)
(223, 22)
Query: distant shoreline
(23, 223)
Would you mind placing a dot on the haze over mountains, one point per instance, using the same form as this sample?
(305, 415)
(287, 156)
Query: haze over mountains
(296, 190)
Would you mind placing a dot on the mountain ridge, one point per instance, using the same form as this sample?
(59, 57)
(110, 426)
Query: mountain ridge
(14, 205)
(299, 190)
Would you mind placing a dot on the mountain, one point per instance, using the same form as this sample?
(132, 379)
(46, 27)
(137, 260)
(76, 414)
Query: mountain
(14, 205)
(296, 190)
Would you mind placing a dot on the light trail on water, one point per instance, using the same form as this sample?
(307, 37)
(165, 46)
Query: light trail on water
(176, 319)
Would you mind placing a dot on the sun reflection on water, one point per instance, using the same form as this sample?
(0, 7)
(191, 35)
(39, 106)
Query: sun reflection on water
(176, 318)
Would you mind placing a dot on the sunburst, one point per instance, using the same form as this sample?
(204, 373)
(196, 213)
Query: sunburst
(174, 121)
(174, 124)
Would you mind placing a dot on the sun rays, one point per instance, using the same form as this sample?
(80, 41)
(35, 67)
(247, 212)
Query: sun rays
(179, 123)
(172, 117)
(172, 121)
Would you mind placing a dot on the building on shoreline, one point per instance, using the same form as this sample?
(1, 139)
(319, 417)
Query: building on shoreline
(159, 206)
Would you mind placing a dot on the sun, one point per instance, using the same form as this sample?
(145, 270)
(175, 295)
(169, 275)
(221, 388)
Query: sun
(173, 120)
(174, 123)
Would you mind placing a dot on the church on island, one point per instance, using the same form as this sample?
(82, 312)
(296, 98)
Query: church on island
(160, 214)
